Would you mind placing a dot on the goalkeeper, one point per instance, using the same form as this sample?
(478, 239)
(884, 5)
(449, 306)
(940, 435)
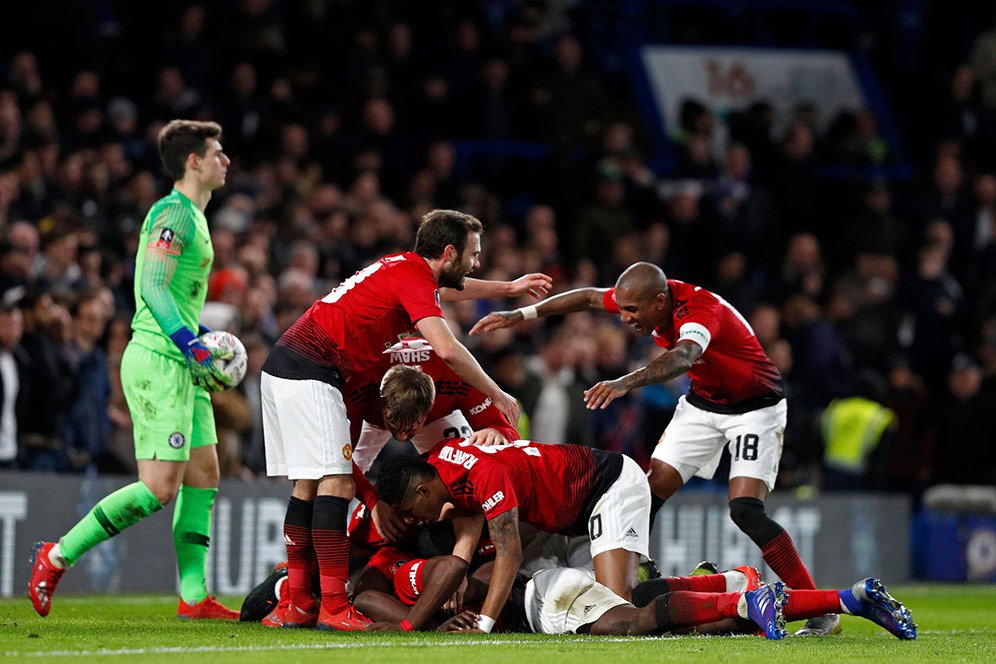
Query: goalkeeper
(166, 373)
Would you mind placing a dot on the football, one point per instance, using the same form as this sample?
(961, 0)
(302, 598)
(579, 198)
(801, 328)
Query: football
(234, 368)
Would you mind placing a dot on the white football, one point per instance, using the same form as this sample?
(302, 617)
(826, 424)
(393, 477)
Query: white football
(234, 368)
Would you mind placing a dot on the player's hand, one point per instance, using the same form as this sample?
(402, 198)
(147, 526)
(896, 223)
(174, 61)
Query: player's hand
(388, 523)
(507, 404)
(200, 361)
(536, 284)
(496, 320)
(383, 627)
(486, 437)
(602, 394)
(465, 621)
(454, 605)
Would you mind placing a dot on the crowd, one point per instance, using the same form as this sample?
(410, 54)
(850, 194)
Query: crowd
(875, 298)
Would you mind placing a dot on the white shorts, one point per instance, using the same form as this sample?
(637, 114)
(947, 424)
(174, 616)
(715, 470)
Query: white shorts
(542, 550)
(693, 442)
(305, 429)
(559, 601)
(621, 517)
(373, 438)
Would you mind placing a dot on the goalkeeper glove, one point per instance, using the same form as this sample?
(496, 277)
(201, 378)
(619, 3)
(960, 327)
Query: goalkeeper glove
(200, 361)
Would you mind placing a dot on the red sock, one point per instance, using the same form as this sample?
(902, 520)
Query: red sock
(328, 531)
(705, 583)
(301, 561)
(687, 609)
(784, 560)
(803, 604)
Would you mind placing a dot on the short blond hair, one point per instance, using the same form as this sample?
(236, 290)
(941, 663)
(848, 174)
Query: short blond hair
(406, 394)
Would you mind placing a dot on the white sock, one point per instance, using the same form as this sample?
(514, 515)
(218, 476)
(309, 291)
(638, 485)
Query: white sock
(55, 557)
(736, 582)
(742, 606)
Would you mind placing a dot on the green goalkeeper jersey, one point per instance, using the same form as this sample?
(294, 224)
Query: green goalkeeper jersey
(171, 273)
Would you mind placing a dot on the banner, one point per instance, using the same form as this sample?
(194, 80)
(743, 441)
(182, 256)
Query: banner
(841, 539)
(726, 79)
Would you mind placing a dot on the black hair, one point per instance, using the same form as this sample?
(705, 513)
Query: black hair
(398, 474)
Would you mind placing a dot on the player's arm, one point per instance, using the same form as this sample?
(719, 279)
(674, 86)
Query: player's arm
(171, 231)
(504, 532)
(668, 365)
(467, 534)
(439, 335)
(536, 284)
(375, 597)
(579, 299)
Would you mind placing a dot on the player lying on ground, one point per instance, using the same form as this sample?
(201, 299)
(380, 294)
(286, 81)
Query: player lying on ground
(566, 489)
(569, 600)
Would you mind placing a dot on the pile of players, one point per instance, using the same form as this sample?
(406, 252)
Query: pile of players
(567, 525)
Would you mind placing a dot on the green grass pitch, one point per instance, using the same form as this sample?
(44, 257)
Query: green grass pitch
(957, 624)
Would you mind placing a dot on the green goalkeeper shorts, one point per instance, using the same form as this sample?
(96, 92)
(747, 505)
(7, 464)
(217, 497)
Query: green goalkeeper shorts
(169, 413)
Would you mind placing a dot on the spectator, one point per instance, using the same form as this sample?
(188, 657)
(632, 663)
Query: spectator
(88, 424)
(13, 383)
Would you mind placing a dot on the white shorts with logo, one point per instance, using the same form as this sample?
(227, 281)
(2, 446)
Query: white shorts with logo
(305, 429)
(373, 438)
(559, 601)
(693, 442)
(621, 517)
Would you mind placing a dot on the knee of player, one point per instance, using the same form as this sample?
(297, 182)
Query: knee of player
(745, 512)
(164, 493)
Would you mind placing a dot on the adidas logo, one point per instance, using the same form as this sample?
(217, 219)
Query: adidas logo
(288, 541)
(588, 607)
(631, 533)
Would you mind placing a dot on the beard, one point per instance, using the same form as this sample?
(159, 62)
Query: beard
(452, 278)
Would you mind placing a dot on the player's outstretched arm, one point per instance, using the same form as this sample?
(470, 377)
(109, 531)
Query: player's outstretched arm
(439, 335)
(579, 299)
(535, 284)
(668, 365)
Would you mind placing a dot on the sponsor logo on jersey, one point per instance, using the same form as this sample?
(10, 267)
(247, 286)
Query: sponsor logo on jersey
(630, 533)
(479, 408)
(588, 608)
(458, 457)
(176, 440)
(413, 577)
(410, 351)
(493, 501)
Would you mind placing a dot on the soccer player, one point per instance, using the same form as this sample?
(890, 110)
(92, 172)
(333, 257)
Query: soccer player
(167, 374)
(456, 410)
(736, 397)
(306, 429)
(564, 489)
(569, 600)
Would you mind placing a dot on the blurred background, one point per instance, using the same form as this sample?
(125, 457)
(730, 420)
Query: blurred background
(828, 167)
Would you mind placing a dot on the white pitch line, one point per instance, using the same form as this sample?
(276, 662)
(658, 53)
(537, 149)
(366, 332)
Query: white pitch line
(316, 646)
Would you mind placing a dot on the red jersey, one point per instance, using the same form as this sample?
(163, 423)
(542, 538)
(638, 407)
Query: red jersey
(555, 487)
(733, 374)
(452, 392)
(347, 330)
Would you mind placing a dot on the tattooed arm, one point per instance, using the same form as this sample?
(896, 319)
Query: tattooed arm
(504, 531)
(673, 363)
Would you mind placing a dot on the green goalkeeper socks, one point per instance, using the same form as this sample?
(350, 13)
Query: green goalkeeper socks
(191, 535)
(125, 507)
